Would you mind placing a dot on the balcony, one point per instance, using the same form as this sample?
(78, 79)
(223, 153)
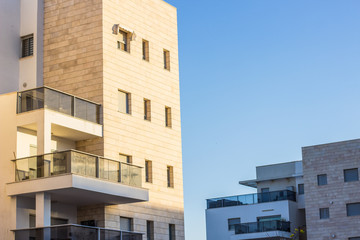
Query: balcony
(73, 231)
(251, 199)
(58, 101)
(78, 178)
(266, 226)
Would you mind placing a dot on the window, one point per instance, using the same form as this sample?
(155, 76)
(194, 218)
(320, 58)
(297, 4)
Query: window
(125, 224)
(301, 189)
(124, 99)
(145, 50)
(123, 42)
(147, 110)
(351, 175)
(354, 238)
(150, 230)
(27, 46)
(324, 213)
(168, 117)
(148, 171)
(170, 176)
(353, 209)
(166, 59)
(322, 179)
(232, 222)
(171, 231)
(125, 158)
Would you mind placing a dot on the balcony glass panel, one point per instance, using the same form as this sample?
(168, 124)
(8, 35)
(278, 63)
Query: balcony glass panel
(264, 226)
(251, 199)
(58, 101)
(80, 163)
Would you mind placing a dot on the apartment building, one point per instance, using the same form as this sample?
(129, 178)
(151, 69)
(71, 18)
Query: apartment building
(272, 213)
(90, 120)
(320, 194)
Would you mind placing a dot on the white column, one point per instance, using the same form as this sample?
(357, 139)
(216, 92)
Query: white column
(43, 136)
(43, 209)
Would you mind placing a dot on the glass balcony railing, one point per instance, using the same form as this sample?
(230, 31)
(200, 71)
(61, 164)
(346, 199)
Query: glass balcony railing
(265, 226)
(79, 163)
(45, 97)
(251, 199)
(73, 231)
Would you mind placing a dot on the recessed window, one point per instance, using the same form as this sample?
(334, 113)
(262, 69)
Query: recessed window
(170, 176)
(232, 222)
(147, 109)
(351, 175)
(27, 46)
(148, 171)
(301, 189)
(322, 179)
(150, 230)
(145, 50)
(123, 41)
(172, 232)
(354, 238)
(126, 224)
(124, 102)
(166, 59)
(353, 209)
(168, 117)
(125, 158)
(324, 213)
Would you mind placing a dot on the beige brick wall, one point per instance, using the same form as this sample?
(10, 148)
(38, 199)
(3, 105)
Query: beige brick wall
(331, 159)
(81, 57)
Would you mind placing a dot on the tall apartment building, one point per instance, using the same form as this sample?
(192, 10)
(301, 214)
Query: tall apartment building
(90, 120)
(272, 213)
(320, 194)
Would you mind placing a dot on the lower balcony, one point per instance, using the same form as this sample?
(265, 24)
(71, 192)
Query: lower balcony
(78, 177)
(265, 230)
(73, 231)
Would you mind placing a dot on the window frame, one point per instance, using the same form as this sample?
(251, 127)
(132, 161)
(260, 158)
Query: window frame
(351, 180)
(319, 176)
(170, 176)
(131, 223)
(148, 171)
(301, 190)
(172, 232)
(128, 158)
(150, 230)
(124, 44)
(168, 117)
(147, 109)
(323, 211)
(352, 204)
(29, 51)
(127, 102)
(166, 56)
(145, 50)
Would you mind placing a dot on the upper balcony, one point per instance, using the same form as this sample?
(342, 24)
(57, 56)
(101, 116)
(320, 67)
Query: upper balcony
(251, 199)
(48, 98)
(77, 177)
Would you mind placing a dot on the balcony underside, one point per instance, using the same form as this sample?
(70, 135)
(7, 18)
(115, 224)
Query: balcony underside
(79, 190)
(273, 235)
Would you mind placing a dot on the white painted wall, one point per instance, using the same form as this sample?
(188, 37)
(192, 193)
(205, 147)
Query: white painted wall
(9, 45)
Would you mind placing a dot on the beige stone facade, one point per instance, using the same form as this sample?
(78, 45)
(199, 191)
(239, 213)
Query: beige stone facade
(81, 56)
(331, 159)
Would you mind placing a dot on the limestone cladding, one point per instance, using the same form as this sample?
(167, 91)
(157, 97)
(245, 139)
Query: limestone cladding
(331, 159)
(81, 56)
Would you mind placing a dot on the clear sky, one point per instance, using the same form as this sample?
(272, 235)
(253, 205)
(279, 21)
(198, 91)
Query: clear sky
(259, 80)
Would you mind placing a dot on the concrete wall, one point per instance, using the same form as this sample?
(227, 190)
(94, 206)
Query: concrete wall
(331, 159)
(9, 45)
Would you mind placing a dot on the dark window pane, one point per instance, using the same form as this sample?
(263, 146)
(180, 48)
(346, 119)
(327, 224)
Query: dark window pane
(301, 189)
(324, 213)
(351, 175)
(353, 209)
(322, 179)
(232, 222)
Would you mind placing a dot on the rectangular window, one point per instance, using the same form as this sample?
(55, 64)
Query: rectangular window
(353, 209)
(168, 117)
(148, 171)
(171, 231)
(301, 189)
(27, 46)
(125, 158)
(150, 230)
(351, 175)
(125, 224)
(170, 176)
(124, 102)
(232, 222)
(354, 238)
(145, 50)
(147, 109)
(322, 179)
(324, 213)
(166, 59)
(123, 41)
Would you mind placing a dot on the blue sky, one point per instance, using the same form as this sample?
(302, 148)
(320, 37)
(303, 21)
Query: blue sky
(259, 80)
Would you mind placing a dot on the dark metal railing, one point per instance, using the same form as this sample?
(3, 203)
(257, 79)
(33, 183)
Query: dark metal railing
(76, 162)
(265, 226)
(74, 231)
(45, 97)
(251, 199)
